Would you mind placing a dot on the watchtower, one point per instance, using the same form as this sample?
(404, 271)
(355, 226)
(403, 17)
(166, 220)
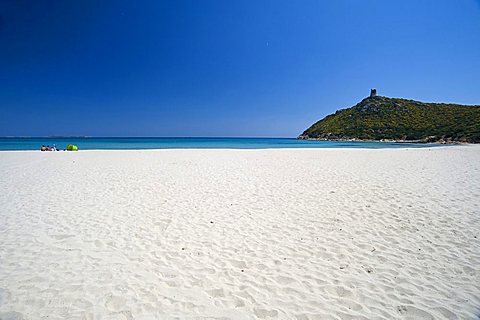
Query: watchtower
(373, 93)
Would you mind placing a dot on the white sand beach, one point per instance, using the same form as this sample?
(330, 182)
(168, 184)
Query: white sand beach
(241, 234)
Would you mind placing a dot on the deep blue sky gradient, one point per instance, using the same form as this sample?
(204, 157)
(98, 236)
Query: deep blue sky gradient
(224, 68)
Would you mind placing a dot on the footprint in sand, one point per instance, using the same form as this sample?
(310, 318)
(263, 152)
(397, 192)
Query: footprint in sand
(238, 264)
(114, 303)
(216, 293)
(340, 291)
(264, 313)
(414, 312)
(11, 315)
(447, 314)
(285, 280)
(62, 236)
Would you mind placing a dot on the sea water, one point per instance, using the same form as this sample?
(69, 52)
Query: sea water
(124, 143)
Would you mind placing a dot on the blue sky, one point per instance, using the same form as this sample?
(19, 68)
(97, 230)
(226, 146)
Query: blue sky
(224, 68)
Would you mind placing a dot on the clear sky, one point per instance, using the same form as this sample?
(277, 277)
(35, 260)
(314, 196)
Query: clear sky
(225, 68)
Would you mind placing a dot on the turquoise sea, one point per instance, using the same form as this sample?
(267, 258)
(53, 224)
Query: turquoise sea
(92, 143)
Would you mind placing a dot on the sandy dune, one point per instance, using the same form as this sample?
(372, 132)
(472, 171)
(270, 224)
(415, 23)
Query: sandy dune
(232, 234)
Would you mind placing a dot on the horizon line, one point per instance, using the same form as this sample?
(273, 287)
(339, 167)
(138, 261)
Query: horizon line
(140, 137)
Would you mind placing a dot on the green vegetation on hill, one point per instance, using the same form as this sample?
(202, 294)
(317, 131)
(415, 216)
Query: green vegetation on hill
(382, 118)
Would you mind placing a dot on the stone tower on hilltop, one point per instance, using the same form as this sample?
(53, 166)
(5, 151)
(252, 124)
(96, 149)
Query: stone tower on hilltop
(373, 93)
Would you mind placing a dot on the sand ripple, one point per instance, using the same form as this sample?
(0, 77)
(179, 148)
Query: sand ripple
(229, 234)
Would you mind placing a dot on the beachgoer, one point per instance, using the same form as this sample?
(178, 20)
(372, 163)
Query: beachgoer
(43, 148)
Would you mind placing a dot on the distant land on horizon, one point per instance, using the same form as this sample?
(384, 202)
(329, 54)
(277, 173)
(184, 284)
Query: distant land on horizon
(379, 118)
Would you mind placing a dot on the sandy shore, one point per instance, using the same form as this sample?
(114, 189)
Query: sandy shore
(241, 234)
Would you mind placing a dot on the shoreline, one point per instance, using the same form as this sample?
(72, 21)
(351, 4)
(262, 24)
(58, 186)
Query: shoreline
(437, 146)
(442, 142)
(413, 146)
